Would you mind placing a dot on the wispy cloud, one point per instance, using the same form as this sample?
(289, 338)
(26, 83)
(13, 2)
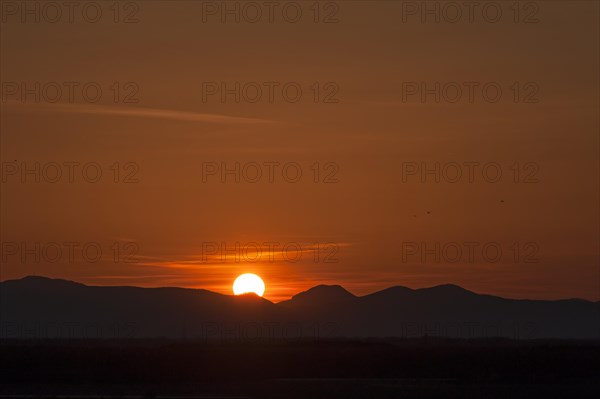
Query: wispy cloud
(142, 112)
(217, 255)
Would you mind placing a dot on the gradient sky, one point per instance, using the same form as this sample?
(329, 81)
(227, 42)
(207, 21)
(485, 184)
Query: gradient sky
(371, 212)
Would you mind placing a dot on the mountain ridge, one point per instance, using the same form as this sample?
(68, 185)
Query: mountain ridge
(37, 306)
(448, 287)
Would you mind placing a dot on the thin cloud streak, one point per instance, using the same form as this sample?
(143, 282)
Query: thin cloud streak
(156, 113)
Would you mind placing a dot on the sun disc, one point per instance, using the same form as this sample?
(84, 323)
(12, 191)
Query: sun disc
(248, 283)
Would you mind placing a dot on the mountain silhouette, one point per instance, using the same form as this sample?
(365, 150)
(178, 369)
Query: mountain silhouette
(39, 307)
(320, 296)
(328, 293)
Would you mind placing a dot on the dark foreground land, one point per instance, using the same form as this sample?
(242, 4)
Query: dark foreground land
(407, 368)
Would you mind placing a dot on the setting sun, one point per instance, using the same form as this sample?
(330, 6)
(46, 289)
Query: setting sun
(247, 283)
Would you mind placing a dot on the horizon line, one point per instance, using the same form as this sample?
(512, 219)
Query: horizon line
(301, 292)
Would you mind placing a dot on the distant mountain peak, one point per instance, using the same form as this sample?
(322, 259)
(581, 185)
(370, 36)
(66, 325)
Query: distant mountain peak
(42, 280)
(326, 293)
(447, 290)
(248, 295)
(37, 278)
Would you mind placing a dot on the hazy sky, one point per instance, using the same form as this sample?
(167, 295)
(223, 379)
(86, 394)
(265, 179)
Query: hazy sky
(415, 140)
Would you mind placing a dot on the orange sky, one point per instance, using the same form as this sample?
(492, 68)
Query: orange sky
(364, 134)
